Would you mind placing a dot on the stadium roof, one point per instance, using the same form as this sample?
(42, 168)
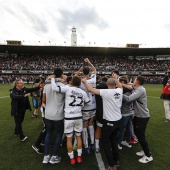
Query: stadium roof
(82, 50)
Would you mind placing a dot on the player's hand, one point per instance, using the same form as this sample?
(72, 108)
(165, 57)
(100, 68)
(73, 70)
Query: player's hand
(115, 76)
(86, 60)
(50, 77)
(63, 81)
(27, 94)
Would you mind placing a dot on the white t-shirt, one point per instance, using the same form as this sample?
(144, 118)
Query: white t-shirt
(74, 99)
(112, 102)
(92, 104)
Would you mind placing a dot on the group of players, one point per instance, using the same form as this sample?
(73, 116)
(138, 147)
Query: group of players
(70, 104)
(79, 105)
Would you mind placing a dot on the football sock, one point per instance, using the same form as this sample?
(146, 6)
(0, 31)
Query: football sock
(79, 152)
(85, 138)
(91, 132)
(71, 154)
(97, 143)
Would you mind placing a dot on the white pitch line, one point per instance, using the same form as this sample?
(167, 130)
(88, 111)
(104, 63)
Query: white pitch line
(153, 97)
(100, 161)
(4, 97)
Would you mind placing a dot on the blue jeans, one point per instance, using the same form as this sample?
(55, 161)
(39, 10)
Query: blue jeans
(125, 124)
(51, 126)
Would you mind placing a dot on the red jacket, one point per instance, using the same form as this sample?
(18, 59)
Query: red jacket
(166, 89)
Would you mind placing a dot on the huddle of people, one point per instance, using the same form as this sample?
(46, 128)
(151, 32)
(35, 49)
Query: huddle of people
(71, 105)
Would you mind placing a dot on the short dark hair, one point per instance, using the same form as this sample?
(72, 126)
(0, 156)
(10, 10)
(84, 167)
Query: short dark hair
(76, 81)
(140, 79)
(37, 80)
(68, 79)
(104, 79)
(115, 71)
(98, 77)
(86, 70)
(58, 72)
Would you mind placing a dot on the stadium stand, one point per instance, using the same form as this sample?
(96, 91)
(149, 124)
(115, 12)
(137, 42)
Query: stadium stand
(15, 62)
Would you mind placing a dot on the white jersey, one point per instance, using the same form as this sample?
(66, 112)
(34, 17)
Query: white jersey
(92, 104)
(74, 99)
(112, 102)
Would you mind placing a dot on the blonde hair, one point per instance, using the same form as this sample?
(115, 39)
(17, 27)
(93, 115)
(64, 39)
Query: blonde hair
(16, 82)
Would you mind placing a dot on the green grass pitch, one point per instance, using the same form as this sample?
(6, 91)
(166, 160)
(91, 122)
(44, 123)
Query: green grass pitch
(17, 155)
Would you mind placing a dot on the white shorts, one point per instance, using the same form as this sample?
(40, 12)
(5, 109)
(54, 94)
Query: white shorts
(71, 126)
(89, 114)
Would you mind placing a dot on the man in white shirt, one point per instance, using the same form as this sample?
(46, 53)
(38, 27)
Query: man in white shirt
(74, 101)
(112, 102)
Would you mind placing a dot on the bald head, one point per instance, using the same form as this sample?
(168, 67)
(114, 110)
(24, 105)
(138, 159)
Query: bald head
(111, 82)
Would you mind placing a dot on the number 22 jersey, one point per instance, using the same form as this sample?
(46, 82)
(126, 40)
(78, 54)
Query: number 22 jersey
(74, 99)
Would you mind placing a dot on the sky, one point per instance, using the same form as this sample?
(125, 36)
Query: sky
(110, 23)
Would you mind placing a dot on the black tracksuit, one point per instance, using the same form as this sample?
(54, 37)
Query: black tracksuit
(19, 104)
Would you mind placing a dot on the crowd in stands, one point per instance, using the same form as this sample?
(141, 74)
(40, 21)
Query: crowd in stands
(8, 79)
(72, 64)
(153, 79)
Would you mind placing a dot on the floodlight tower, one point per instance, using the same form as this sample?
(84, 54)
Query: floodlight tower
(73, 37)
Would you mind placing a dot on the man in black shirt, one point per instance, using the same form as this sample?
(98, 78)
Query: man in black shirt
(19, 104)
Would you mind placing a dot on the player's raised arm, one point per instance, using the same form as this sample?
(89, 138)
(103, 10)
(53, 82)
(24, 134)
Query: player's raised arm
(77, 73)
(127, 86)
(90, 64)
(115, 76)
(90, 88)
